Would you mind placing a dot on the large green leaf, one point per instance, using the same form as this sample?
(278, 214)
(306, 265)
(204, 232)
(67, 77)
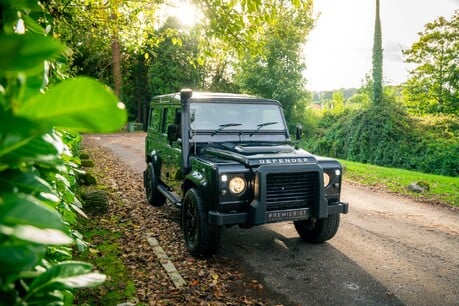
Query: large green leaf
(29, 5)
(82, 104)
(27, 182)
(52, 298)
(21, 209)
(26, 53)
(16, 131)
(41, 149)
(66, 275)
(37, 235)
(16, 255)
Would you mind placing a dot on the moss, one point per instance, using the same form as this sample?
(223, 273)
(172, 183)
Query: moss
(87, 163)
(104, 254)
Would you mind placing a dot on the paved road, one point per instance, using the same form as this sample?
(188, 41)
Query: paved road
(389, 250)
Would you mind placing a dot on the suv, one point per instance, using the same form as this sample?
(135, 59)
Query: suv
(227, 159)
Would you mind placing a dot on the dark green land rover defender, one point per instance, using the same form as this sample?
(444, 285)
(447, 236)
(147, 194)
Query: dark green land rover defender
(227, 159)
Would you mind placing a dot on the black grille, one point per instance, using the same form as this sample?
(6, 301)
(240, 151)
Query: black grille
(291, 190)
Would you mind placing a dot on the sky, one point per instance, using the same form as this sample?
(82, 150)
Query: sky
(339, 48)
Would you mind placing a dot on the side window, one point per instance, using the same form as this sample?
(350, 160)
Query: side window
(155, 118)
(172, 116)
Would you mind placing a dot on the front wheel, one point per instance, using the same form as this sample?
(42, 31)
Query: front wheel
(318, 231)
(201, 238)
(150, 181)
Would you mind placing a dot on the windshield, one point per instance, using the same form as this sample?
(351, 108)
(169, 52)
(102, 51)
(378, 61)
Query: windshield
(236, 116)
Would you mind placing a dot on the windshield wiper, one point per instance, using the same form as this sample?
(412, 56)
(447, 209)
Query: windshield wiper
(259, 126)
(224, 126)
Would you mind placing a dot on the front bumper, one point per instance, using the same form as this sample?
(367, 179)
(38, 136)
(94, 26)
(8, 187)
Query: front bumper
(245, 218)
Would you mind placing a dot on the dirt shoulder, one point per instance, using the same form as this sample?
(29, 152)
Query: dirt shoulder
(216, 281)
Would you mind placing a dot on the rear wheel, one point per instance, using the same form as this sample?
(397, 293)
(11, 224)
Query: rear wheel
(201, 238)
(150, 181)
(319, 230)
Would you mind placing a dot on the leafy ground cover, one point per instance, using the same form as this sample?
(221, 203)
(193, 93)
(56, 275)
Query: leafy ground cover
(442, 189)
(119, 249)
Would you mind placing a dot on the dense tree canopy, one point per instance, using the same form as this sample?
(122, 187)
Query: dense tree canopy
(433, 86)
(277, 71)
(173, 64)
(118, 41)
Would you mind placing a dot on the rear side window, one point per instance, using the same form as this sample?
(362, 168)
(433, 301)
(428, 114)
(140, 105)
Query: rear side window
(155, 118)
(162, 116)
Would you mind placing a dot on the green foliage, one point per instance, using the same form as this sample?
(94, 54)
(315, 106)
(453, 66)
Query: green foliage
(239, 23)
(38, 205)
(336, 104)
(386, 135)
(204, 57)
(174, 66)
(438, 145)
(433, 87)
(277, 70)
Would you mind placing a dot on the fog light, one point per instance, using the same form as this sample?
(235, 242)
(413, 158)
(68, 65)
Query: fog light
(237, 185)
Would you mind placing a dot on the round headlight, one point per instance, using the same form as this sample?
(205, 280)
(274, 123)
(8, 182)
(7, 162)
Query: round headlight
(237, 185)
(326, 179)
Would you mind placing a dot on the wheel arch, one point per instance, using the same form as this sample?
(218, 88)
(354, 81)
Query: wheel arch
(154, 159)
(197, 180)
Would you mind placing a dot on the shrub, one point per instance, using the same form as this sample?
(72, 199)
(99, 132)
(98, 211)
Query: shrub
(38, 205)
(386, 135)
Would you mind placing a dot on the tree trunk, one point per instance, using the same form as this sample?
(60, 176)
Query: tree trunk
(116, 62)
(377, 60)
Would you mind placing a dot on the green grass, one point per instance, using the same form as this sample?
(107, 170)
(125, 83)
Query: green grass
(443, 189)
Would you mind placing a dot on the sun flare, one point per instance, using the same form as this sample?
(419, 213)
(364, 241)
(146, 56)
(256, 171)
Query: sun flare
(188, 14)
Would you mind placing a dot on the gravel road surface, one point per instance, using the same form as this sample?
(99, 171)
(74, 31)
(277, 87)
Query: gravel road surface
(389, 250)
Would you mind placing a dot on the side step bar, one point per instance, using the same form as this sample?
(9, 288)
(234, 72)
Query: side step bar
(171, 196)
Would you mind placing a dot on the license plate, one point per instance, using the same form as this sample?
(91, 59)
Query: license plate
(284, 215)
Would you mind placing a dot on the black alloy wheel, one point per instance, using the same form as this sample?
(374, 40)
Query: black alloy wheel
(201, 238)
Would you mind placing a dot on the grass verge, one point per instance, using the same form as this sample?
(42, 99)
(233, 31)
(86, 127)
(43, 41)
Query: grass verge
(442, 189)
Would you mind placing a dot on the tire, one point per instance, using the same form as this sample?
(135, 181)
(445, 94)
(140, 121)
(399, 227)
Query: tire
(201, 238)
(318, 231)
(150, 181)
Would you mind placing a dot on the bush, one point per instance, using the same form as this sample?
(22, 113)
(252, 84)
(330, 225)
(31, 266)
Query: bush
(386, 135)
(38, 204)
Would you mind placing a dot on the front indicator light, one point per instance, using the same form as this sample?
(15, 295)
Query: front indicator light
(326, 179)
(237, 185)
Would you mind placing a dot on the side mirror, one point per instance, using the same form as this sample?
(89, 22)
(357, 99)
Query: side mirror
(172, 132)
(298, 131)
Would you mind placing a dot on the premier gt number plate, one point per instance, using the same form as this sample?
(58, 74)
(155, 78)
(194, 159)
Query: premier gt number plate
(284, 215)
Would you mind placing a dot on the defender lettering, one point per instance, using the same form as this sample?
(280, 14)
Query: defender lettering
(284, 160)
